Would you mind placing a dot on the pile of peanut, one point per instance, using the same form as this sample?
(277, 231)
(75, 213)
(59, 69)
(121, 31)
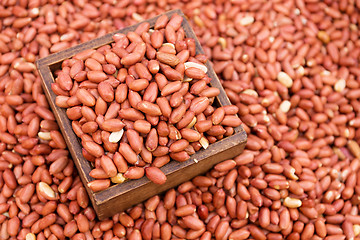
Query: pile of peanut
(290, 66)
(151, 87)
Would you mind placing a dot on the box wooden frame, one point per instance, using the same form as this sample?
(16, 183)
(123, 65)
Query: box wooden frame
(122, 196)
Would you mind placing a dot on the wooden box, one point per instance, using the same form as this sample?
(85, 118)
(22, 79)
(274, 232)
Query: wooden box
(122, 196)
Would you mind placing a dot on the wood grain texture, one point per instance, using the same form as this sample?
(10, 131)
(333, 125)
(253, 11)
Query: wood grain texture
(122, 196)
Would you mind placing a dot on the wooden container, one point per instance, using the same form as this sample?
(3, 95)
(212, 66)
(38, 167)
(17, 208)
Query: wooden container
(122, 196)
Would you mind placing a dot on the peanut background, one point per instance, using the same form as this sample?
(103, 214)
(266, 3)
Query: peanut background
(292, 69)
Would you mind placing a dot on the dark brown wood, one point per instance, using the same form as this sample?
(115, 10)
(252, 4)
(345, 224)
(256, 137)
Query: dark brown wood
(122, 196)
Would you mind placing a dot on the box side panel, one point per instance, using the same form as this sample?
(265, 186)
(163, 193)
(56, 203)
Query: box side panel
(136, 191)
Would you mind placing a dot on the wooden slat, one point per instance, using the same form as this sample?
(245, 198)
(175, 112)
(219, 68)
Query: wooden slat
(122, 196)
